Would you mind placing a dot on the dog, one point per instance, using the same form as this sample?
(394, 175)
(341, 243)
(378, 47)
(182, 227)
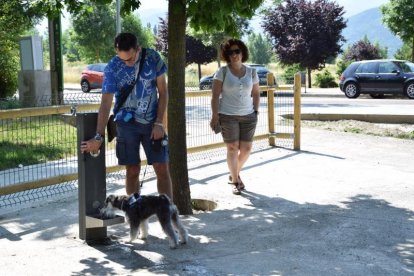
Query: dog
(138, 209)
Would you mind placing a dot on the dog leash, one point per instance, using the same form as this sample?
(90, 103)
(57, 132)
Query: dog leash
(143, 177)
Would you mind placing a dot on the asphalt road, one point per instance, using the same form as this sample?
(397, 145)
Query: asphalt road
(344, 105)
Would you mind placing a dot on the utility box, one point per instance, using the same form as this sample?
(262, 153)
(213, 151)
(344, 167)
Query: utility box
(34, 83)
(34, 88)
(31, 53)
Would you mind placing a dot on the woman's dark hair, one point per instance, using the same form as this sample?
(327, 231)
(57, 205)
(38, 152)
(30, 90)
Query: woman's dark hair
(227, 45)
(125, 41)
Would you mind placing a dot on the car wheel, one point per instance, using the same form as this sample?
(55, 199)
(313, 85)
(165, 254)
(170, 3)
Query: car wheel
(377, 96)
(205, 87)
(351, 90)
(409, 90)
(85, 86)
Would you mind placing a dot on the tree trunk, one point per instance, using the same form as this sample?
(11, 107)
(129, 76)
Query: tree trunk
(412, 51)
(218, 56)
(199, 71)
(176, 106)
(309, 78)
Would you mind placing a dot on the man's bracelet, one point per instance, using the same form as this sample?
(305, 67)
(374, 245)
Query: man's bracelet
(158, 124)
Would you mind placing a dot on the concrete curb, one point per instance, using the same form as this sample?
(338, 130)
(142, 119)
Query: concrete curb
(371, 118)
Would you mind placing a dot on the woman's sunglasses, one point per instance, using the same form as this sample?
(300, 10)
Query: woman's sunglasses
(231, 52)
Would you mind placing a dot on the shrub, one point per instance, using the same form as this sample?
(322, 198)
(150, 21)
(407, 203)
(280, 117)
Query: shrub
(289, 73)
(341, 65)
(8, 73)
(325, 80)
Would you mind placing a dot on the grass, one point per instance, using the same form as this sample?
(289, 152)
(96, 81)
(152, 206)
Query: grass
(72, 72)
(401, 131)
(353, 130)
(26, 142)
(9, 104)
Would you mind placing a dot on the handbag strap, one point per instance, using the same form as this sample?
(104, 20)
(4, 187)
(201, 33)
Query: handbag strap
(124, 96)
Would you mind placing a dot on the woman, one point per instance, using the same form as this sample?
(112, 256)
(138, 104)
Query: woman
(235, 106)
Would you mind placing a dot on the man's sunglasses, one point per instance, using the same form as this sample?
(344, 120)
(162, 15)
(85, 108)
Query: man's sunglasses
(231, 52)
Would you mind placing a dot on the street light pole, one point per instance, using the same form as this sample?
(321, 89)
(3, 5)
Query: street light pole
(118, 16)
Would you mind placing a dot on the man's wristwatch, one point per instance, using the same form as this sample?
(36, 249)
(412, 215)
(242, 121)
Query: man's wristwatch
(98, 137)
(256, 112)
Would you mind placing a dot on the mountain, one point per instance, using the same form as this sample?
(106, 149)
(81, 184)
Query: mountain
(369, 23)
(152, 16)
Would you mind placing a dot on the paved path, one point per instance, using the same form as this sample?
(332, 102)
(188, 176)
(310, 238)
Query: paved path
(340, 206)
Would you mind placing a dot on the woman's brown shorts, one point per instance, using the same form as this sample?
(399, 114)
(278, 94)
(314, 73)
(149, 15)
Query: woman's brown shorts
(238, 128)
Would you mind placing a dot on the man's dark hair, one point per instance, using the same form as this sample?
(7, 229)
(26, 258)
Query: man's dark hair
(125, 41)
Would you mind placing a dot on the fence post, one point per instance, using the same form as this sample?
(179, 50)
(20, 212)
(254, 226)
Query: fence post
(271, 109)
(297, 111)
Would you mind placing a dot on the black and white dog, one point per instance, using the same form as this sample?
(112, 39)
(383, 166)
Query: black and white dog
(138, 209)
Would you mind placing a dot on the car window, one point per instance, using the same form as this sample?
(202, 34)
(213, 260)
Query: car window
(387, 68)
(101, 67)
(407, 67)
(366, 68)
(261, 70)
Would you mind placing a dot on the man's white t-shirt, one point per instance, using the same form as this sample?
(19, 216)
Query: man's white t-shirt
(236, 95)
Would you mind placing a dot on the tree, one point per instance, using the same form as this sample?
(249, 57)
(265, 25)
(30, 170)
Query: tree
(70, 46)
(196, 51)
(133, 24)
(14, 21)
(215, 39)
(404, 52)
(260, 49)
(362, 50)
(95, 32)
(398, 15)
(306, 32)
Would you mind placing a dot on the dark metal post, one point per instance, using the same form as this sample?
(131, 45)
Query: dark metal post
(91, 180)
(56, 60)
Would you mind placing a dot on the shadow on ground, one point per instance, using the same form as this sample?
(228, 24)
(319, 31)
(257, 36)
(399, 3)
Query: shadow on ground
(273, 235)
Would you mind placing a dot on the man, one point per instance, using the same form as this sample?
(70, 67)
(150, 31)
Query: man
(140, 119)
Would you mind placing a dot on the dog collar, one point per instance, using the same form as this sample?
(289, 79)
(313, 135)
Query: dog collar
(133, 200)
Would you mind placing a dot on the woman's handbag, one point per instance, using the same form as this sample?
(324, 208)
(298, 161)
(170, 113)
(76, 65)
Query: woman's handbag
(111, 125)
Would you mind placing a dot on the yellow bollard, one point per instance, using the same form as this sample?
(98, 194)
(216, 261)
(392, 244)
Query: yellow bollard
(297, 111)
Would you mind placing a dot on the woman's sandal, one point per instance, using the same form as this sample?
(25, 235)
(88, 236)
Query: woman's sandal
(235, 188)
(241, 184)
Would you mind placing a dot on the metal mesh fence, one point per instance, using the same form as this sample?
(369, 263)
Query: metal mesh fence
(40, 148)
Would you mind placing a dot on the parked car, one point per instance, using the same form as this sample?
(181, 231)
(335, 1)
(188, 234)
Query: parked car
(377, 78)
(262, 73)
(207, 81)
(92, 77)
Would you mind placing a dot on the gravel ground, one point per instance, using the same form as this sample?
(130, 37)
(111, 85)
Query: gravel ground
(403, 131)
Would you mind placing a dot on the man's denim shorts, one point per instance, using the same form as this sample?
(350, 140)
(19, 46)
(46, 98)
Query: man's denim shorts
(130, 135)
